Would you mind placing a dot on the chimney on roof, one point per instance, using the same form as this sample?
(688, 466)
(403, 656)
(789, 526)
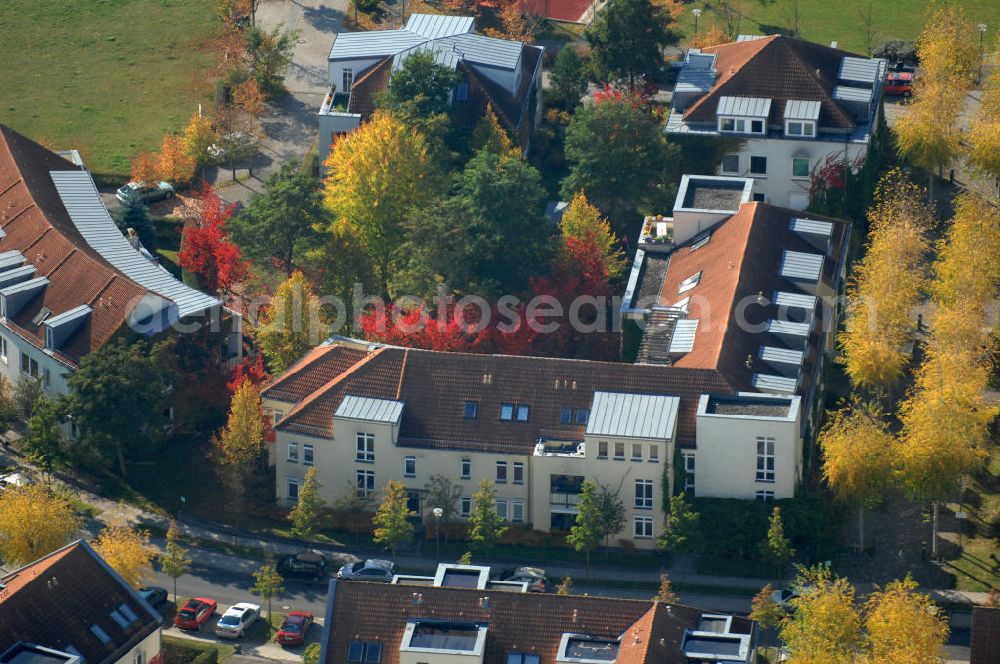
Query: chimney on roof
(418, 599)
(484, 603)
(833, 44)
(761, 300)
(749, 362)
(575, 614)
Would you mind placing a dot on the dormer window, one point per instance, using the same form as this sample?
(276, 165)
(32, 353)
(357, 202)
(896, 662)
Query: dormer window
(800, 128)
(689, 283)
(741, 125)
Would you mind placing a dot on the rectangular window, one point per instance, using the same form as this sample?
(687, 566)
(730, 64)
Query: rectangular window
(466, 468)
(465, 506)
(307, 455)
(740, 125)
(764, 496)
(506, 412)
(471, 409)
(759, 198)
(462, 92)
(794, 129)
(602, 449)
(523, 658)
(99, 632)
(29, 366)
(731, 163)
(365, 481)
(365, 447)
(619, 451)
(689, 282)
(293, 489)
(636, 452)
(654, 453)
(127, 611)
(756, 126)
(347, 79)
(800, 167)
(688, 471)
(119, 618)
(758, 165)
(522, 413)
(582, 415)
(643, 527)
(293, 453)
(517, 511)
(502, 508)
(566, 415)
(765, 459)
(410, 466)
(3, 350)
(46, 377)
(140, 658)
(501, 472)
(644, 494)
(518, 472)
(364, 652)
(727, 124)
(277, 416)
(808, 129)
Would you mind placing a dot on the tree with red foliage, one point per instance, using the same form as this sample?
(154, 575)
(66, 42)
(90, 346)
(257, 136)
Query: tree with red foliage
(248, 369)
(206, 250)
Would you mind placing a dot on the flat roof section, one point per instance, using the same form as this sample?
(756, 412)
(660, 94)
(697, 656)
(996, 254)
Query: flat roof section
(749, 406)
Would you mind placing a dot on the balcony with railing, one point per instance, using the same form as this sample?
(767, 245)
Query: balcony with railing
(564, 493)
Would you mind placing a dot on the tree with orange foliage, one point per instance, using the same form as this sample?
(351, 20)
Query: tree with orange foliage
(144, 168)
(206, 250)
(174, 164)
(713, 36)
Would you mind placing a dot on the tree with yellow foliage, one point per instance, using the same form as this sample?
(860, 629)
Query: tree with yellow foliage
(239, 447)
(583, 221)
(199, 135)
(984, 130)
(489, 135)
(967, 270)
(127, 551)
(174, 164)
(824, 626)
(34, 521)
(886, 285)
(144, 168)
(857, 457)
(292, 324)
(903, 626)
(713, 36)
(376, 177)
(947, 46)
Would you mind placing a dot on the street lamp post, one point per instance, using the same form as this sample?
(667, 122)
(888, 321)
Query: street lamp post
(697, 12)
(982, 31)
(438, 513)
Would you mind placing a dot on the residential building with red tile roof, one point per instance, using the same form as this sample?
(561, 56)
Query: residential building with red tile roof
(500, 73)
(73, 604)
(404, 624)
(69, 280)
(793, 105)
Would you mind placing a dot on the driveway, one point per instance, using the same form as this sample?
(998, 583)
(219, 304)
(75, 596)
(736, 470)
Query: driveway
(289, 123)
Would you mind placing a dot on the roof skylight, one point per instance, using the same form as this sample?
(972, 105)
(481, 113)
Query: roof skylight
(690, 282)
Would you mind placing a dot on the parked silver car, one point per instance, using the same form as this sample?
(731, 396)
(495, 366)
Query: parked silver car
(148, 193)
(368, 570)
(237, 619)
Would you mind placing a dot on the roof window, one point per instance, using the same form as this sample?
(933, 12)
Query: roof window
(471, 409)
(99, 632)
(121, 621)
(690, 282)
(506, 412)
(701, 241)
(364, 652)
(522, 413)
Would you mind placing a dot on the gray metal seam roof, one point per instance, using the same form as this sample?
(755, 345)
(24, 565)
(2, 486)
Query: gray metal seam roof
(781, 355)
(776, 326)
(769, 382)
(87, 212)
(811, 226)
(752, 107)
(369, 409)
(801, 265)
(802, 110)
(682, 340)
(863, 70)
(633, 415)
(794, 300)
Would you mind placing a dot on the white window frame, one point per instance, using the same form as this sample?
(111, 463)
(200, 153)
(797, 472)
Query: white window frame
(689, 282)
(292, 453)
(729, 124)
(308, 454)
(501, 465)
(758, 173)
(466, 468)
(602, 449)
(765, 496)
(517, 474)
(517, 511)
(465, 506)
(800, 128)
(800, 177)
(765, 471)
(289, 483)
(636, 452)
(409, 466)
(689, 470)
(366, 489)
(644, 494)
(722, 166)
(278, 415)
(619, 457)
(642, 527)
(347, 78)
(654, 453)
(501, 507)
(32, 365)
(364, 447)
(3, 350)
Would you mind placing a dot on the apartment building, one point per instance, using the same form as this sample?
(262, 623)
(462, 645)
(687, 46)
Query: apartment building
(789, 104)
(70, 607)
(479, 624)
(70, 281)
(502, 73)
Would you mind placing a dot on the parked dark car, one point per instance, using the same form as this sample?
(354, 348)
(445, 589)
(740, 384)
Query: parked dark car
(533, 576)
(155, 595)
(306, 565)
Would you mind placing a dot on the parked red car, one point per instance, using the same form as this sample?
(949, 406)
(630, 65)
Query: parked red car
(293, 630)
(899, 83)
(196, 613)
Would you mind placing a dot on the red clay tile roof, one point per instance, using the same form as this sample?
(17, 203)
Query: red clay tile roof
(35, 222)
(54, 601)
(779, 68)
(560, 10)
(516, 622)
(435, 386)
(742, 258)
(317, 367)
(985, 646)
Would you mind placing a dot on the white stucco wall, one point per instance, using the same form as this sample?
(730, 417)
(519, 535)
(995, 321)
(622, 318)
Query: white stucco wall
(10, 366)
(149, 648)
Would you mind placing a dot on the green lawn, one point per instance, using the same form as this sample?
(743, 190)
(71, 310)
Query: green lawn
(109, 77)
(824, 21)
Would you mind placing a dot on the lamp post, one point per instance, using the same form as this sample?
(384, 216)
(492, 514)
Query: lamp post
(438, 513)
(697, 12)
(982, 31)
